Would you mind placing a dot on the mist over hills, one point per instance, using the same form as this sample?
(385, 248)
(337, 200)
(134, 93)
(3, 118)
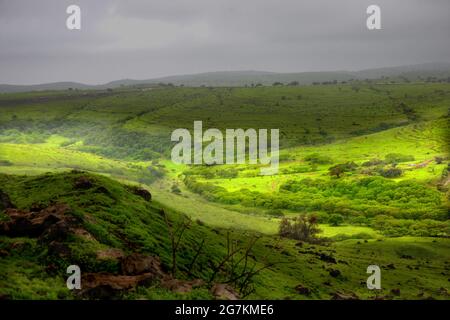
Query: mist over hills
(242, 78)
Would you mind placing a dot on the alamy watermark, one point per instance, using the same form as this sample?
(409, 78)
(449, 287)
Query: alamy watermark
(190, 150)
(74, 280)
(374, 280)
(73, 21)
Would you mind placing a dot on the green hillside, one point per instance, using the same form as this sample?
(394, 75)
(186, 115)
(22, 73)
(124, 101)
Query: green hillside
(366, 161)
(111, 221)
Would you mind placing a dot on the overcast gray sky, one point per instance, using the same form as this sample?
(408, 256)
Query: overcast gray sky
(153, 38)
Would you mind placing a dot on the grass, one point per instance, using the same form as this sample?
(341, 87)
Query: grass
(125, 135)
(23, 266)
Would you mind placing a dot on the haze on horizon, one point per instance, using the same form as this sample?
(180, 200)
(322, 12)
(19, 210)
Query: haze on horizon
(149, 39)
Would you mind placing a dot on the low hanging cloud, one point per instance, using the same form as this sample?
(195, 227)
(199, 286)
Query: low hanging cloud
(146, 39)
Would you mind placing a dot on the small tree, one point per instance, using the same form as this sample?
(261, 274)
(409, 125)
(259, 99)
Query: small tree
(335, 219)
(391, 172)
(336, 170)
(339, 169)
(304, 228)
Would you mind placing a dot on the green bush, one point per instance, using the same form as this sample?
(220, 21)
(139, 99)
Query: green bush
(5, 163)
(317, 158)
(398, 158)
(275, 212)
(391, 172)
(336, 219)
(304, 228)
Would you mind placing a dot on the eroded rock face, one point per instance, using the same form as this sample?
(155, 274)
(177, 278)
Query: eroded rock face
(137, 263)
(143, 193)
(51, 222)
(110, 254)
(223, 291)
(344, 296)
(83, 183)
(108, 286)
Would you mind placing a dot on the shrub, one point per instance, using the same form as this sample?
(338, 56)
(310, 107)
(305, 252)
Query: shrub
(339, 169)
(373, 162)
(317, 158)
(5, 163)
(275, 212)
(336, 219)
(304, 228)
(391, 172)
(397, 158)
(360, 220)
(322, 217)
(175, 189)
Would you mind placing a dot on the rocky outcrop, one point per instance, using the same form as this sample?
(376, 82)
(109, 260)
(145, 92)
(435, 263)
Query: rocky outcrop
(223, 291)
(51, 223)
(83, 183)
(344, 296)
(137, 263)
(141, 192)
(109, 286)
(301, 289)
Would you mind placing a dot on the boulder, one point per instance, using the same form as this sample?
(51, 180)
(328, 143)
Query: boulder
(141, 192)
(137, 263)
(108, 286)
(51, 222)
(110, 254)
(223, 291)
(302, 290)
(83, 183)
(344, 296)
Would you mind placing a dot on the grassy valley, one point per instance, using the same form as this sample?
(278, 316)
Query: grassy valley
(367, 161)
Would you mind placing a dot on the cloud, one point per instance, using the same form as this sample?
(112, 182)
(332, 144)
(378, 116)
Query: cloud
(145, 39)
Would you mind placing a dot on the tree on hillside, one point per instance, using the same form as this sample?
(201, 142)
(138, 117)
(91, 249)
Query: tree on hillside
(339, 169)
(335, 219)
(303, 227)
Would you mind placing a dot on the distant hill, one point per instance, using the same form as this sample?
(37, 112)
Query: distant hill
(43, 87)
(242, 78)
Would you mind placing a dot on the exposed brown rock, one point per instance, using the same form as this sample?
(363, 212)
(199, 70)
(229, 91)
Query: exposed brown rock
(58, 249)
(344, 296)
(224, 292)
(51, 223)
(110, 253)
(143, 193)
(137, 263)
(302, 289)
(108, 286)
(83, 183)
